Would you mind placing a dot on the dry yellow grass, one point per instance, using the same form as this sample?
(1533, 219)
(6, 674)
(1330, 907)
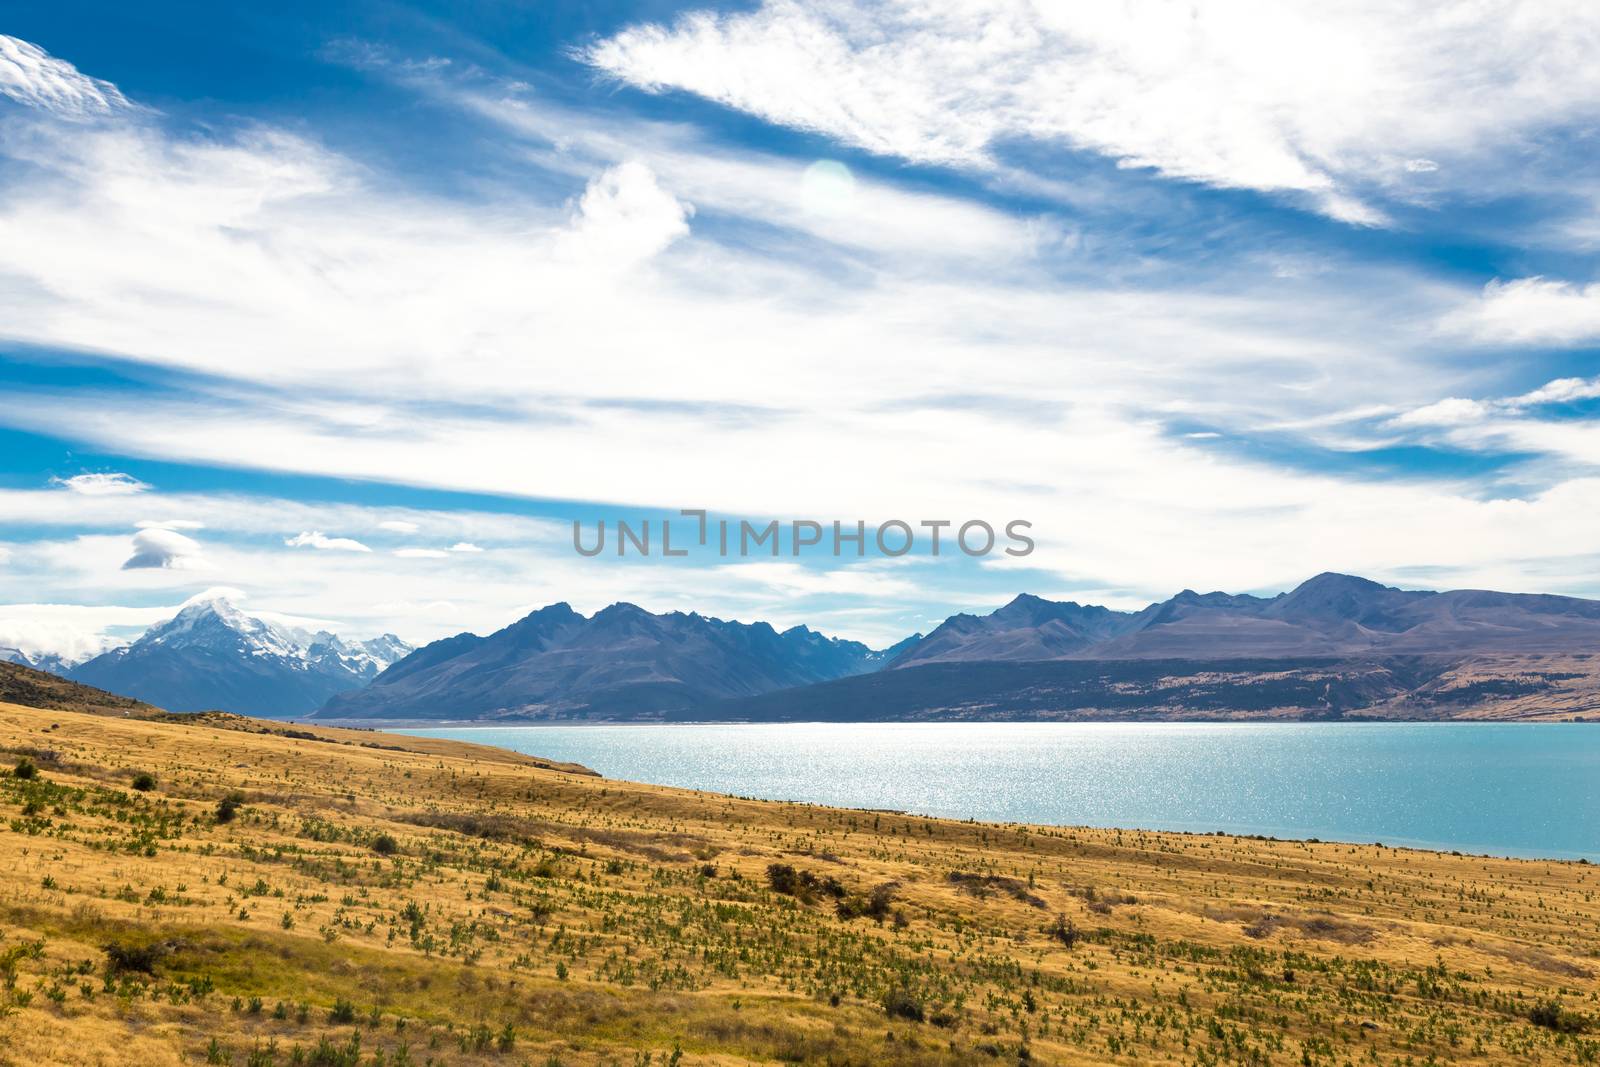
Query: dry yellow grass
(426, 897)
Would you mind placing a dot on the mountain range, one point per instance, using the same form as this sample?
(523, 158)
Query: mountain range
(1329, 615)
(50, 662)
(213, 656)
(1337, 646)
(622, 662)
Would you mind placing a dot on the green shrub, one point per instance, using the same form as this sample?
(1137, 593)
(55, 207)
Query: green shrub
(25, 769)
(1552, 1016)
(875, 904)
(903, 1004)
(229, 806)
(783, 878)
(144, 781)
(141, 958)
(1064, 931)
(385, 845)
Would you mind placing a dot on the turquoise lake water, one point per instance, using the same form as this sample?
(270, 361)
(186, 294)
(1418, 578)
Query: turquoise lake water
(1501, 789)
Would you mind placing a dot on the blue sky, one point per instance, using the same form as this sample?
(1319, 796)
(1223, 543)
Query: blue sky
(351, 309)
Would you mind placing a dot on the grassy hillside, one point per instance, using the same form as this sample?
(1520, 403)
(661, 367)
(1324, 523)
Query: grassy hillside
(40, 689)
(180, 891)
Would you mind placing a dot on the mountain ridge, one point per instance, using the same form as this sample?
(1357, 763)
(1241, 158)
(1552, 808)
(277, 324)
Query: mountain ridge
(556, 663)
(1334, 644)
(213, 656)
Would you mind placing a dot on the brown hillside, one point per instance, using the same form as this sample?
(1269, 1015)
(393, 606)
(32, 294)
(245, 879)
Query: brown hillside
(40, 689)
(197, 891)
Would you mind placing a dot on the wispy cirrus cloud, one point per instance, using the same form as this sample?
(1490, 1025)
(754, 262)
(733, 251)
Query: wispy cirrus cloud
(805, 342)
(1326, 102)
(106, 484)
(30, 75)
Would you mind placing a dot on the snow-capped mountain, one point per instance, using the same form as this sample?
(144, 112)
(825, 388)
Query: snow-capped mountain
(40, 661)
(211, 655)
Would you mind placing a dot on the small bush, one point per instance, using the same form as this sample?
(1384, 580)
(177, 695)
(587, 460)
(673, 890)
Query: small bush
(144, 781)
(229, 806)
(25, 769)
(140, 958)
(385, 845)
(1552, 1016)
(343, 1012)
(783, 879)
(1064, 931)
(803, 884)
(903, 1004)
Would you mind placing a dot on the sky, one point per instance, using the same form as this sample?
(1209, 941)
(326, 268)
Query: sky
(349, 310)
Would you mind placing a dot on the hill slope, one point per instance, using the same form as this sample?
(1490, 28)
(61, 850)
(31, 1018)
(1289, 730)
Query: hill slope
(40, 689)
(369, 903)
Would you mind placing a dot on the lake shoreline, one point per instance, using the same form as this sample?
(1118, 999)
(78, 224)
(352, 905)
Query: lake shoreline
(1474, 789)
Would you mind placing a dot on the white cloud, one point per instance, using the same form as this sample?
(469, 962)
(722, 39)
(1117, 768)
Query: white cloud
(319, 540)
(1514, 423)
(169, 524)
(1316, 99)
(361, 331)
(793, 580)
(39, 636)
(32, 76)
(1560, 391)
(1530, 311)
(165, 549)
(1460, 411)
(421, 553)
(465, 546)
(110, 484)
(624, 217)
(230, 593)
(234, 514)
(1451, 411)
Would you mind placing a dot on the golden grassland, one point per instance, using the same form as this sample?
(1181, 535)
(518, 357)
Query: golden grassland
(214, 890)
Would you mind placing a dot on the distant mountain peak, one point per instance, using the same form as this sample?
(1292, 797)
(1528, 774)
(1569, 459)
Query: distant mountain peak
(622, 659)
(49, 662)
(219, 608)
(211, 654)
(1336, 580)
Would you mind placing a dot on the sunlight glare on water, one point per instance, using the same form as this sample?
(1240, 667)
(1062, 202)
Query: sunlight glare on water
(1504, 789)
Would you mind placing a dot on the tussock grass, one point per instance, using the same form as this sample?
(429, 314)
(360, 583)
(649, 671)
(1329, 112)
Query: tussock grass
(353, 897)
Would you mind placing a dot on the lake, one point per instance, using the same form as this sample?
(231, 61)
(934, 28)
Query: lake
(1501, 789)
